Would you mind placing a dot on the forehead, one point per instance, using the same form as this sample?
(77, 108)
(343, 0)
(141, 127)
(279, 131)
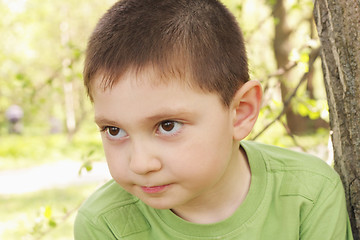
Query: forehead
(144, 82)
(174, 69)
(150, 75)
(140, 95)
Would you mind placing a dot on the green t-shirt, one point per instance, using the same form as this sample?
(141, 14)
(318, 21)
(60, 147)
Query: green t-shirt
(292, 196)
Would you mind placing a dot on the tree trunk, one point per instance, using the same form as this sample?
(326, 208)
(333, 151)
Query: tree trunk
(296, 123)
(338, 24)
(282, 49)
(69, 109)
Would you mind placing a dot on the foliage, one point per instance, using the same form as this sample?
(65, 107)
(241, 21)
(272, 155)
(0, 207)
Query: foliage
(41, 57)
(28, 150)
(41, 54)
(258, 25)
(46, 212)
(43, 49)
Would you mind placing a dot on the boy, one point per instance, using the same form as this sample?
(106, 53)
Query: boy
(172, 98)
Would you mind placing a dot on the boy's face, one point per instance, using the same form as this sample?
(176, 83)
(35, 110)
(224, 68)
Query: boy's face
(167, 144)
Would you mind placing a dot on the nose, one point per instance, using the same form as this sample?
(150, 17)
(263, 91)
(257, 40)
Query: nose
(143, 160)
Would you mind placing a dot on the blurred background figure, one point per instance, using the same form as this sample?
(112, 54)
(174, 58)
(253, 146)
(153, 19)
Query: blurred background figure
(55, 125)
(14, 114)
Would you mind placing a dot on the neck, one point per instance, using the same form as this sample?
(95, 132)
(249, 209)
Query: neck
(223, 200)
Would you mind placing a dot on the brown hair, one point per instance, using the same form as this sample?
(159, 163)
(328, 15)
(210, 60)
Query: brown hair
(196, 37)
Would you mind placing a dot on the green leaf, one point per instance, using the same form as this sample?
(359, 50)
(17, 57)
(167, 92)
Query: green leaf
(304, 57)
(88, 167)
(239, 7)
(90, 153)
(303, 110)
(314, 115)
(272, 2)
(52, 223)
(48, 212)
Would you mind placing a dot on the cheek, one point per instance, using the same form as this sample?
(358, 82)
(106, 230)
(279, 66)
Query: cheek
(212, 144)
(200, 158)
(116, 160)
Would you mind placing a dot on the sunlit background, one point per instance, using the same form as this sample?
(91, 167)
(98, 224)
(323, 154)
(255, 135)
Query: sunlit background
(50, 150)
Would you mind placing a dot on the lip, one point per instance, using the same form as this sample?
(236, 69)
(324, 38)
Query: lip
(155, 189)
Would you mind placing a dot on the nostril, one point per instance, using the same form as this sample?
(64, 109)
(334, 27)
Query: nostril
(142, 165)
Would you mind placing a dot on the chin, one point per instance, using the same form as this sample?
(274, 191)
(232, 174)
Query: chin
(157, 203)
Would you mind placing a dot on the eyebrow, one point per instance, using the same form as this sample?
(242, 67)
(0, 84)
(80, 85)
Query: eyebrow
(104, 121)
(168, 114)
(162, 115)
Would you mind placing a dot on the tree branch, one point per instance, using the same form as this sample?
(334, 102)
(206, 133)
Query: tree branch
(313, 56)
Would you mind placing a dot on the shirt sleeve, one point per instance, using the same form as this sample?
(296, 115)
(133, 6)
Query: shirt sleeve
(328, 219)
(84, 229)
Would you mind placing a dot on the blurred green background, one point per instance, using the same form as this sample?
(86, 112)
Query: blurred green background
(41, 57)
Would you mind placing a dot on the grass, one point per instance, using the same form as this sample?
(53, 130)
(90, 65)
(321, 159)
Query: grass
(21, 214)
(27, 216)
(28, 150)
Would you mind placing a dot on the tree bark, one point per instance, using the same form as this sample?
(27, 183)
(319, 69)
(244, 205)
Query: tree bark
(338, 24)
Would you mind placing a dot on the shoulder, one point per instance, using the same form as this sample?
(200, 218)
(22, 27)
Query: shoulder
(109, 211)
(106, 198)
(298, 173)
(282, 159)
(303, 191)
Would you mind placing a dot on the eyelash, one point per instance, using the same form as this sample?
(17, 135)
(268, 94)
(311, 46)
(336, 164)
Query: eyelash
(178, 126)
(106, 130)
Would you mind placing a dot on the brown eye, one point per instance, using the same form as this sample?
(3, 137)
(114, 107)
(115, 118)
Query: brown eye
(113, 131)
(167, 126)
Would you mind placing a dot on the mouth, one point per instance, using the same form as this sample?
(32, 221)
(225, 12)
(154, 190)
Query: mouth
(155, 189)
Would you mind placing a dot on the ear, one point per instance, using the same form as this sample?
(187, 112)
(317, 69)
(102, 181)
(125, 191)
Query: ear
(245, 108)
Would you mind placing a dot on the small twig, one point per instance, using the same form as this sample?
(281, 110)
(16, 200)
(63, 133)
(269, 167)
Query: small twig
(289, 66)
(286, 104)
(313, 56)
(62, 220)
(292, 136)
(282, 71)
(277, 73)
